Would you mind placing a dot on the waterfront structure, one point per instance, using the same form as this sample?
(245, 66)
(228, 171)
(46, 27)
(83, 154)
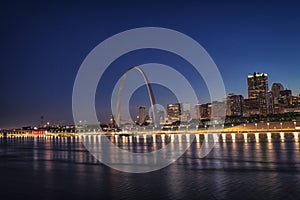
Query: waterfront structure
(174, 112)
(149, 89)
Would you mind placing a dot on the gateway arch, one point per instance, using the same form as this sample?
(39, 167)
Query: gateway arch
(149, 89)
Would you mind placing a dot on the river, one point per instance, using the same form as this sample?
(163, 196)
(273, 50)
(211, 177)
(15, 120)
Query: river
(61, 168)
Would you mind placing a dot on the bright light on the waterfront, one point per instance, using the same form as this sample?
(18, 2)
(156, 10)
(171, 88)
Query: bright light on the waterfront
(296, 136)
(282, 136)
(245, 137)
(233, 137)
(269, 137)
(256, 137)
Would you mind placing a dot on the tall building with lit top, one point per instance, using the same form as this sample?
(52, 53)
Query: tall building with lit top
(257, 85)
(174, 112)
(260, 98)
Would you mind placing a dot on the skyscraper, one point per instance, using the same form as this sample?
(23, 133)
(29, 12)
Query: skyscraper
(258, 90)
(174, 112)
(250, 107)
(203, 111)
(142, 115)
(257, 85)
(234, 105)
(185, 111)
(285, 97)
(276, 88)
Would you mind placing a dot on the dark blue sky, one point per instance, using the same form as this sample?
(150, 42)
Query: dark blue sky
(43, 45)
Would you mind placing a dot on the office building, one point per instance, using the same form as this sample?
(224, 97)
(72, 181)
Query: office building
(185, 112)
(276, 88)
(251, 107)
(142, 115)
(234, 105)
(203, 111)
(257, 85)
(174, 112)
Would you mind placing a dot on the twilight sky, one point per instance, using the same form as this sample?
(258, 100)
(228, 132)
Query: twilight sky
(43, 45)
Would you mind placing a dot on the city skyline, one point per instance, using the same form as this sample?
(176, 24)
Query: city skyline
(42, 51)
(150, 99)
(176, 111)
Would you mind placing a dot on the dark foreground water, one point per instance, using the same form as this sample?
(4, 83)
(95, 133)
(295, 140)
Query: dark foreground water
(40, 168)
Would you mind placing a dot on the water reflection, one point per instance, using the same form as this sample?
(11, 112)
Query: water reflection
(235, 169)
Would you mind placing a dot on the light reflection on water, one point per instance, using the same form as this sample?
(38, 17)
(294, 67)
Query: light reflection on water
(60, 168)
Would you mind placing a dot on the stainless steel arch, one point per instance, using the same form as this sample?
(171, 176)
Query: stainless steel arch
(150, 93)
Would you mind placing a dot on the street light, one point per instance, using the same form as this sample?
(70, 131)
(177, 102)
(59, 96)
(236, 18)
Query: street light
(268, 125)
(295, 123)
(281, 125)
(256, 126)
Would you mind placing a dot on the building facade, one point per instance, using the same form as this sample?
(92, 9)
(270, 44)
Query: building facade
(257, 85)
(204, 111)
(142, 115)
(174, 112)
(276, 88)
(234, 105)
(185, 112)
(258, 92)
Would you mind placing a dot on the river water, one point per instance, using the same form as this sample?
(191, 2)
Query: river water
(61, 168)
